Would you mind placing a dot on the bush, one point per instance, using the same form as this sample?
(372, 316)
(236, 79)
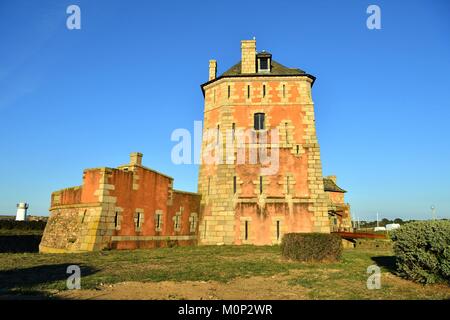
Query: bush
(311, 246)
(422, 251)
(374, 244)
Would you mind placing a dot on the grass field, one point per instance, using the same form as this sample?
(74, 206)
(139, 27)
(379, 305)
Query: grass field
(15, 232)
(25, 273)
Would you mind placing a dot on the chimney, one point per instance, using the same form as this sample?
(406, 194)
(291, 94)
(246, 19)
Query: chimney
(136, 159)
(248, 61)
(212, 69)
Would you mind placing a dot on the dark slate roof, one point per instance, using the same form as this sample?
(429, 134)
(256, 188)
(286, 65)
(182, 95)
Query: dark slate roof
(276, 69)
(329, 185)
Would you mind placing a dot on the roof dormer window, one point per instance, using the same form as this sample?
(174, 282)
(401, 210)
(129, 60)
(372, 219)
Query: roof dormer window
(264, 61)
(264, 64)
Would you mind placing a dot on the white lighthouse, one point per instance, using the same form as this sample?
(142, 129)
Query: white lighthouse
(21, 214)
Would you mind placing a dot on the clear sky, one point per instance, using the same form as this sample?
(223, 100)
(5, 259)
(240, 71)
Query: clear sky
(76, 99)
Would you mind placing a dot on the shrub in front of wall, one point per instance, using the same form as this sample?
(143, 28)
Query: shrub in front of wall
(374, 244)
(422, 251)
(311, 246)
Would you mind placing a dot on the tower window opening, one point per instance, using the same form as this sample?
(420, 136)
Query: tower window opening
(264, 64)
(260, 184)
(298, 149)
(116, 219)
(286, 131)
(278, 229)
(284, 91)
(288, 191)
(264, 90)
(229, 92)
(259, 121)
(248, 91)
(234, 185)
(246, 231)
(84, 216)
(233, 130)
(218, 134)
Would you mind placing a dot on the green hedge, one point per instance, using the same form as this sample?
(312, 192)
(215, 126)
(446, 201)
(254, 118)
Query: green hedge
(22, 225)
(422, 251)
(311, 246)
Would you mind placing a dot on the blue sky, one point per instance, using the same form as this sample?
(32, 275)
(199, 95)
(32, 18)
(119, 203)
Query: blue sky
(75, 99)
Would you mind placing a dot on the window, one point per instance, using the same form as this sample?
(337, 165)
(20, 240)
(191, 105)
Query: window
(234, 184)
(177, 222)
(248, 91)
(116, 220)
(264, 59)
(260, 184)
(83, 216)
(158, 220)
(264, 63)
(264, 90)
(288, 191)
(259, 121)
(218, 134)
(233, 130)
(138, 220)
(193, 222)
(278, 229)
(229, 92)
(284, 91)
(298, 149)
(246, 231)
(286, 131)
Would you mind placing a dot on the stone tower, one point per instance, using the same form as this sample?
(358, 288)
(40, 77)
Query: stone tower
(259, 104)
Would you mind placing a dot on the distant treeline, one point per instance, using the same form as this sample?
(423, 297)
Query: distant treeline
(384, 222)
(22, 225)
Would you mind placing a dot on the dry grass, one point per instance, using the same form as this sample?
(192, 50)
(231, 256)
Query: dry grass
(221, 265)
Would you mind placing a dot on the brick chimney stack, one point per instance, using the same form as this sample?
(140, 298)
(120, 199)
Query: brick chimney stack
(212, 69)
(136, 159)
(248, 61)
